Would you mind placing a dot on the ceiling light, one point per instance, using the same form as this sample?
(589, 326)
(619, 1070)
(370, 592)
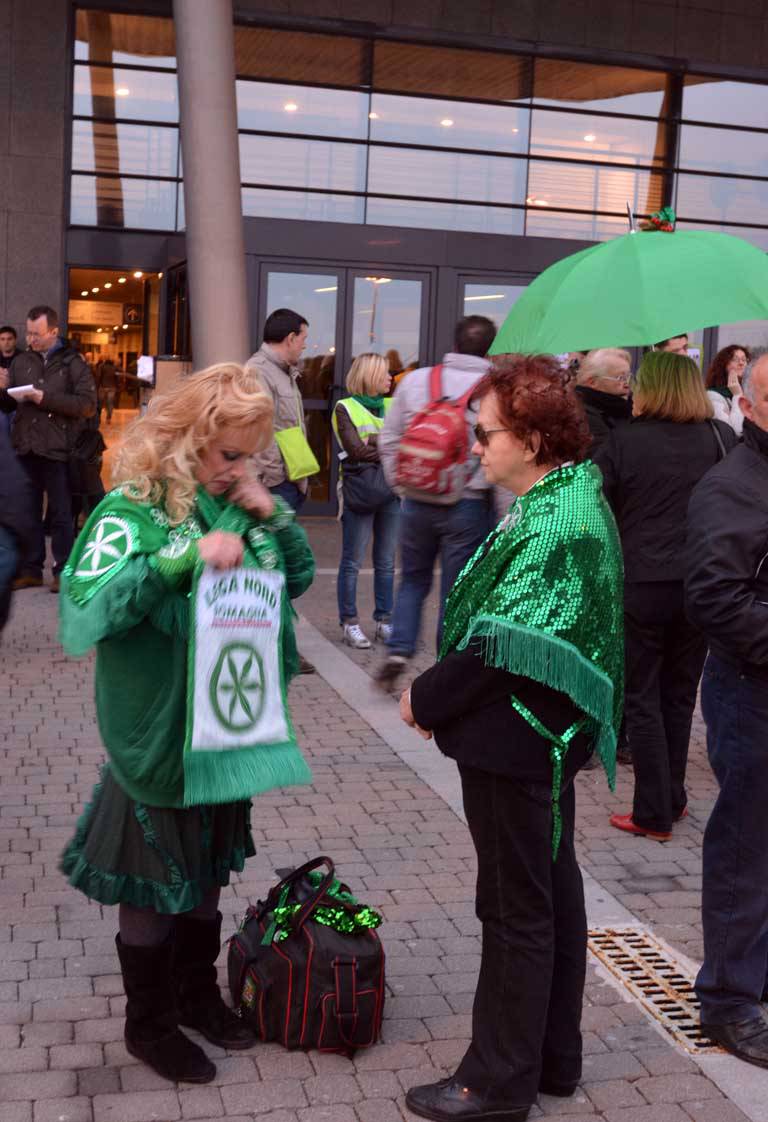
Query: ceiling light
(533, 201)
(373, 116)
(94, 290)
(330, 288)
(84, 292)
(589, 137)
(159, 276)
(379, 280)
(495, 296)
(290, 107)
(125, 327)
(446, 122)
(99, 330)
(121, 280)
(138, 274)
(108, 284)
(116, 327)
(515, 130)
(122, 91)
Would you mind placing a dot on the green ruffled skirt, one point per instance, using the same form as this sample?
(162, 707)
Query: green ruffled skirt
(125, 852)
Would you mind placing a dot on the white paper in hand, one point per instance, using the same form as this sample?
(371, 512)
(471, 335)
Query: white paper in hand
(20, 392)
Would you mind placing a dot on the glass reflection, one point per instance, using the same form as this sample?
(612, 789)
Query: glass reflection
(581, 227)
(728, 103)
(274, 107)
(444, 216)
(289, 162)
(740, 153)
(139, 204)
(611, 89)
(752, 334)
(737, 200)
(313, 296)
(107, 91)
(109, 37)
(449, 124)
(447, 175)
(756, 235)
(492, 300)
(386, 319)
(585, 187)
(264, 203)
(608, 139)
(116, 147)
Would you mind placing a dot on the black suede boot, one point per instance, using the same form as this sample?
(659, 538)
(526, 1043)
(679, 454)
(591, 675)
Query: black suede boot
(201, 1006)
(151, 1021)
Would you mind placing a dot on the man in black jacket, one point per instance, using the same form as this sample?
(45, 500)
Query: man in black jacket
(58, 394)
(17, 527)
(602, 386)
(727, 598)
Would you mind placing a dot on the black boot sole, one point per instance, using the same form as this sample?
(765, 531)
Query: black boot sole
(206, 1075)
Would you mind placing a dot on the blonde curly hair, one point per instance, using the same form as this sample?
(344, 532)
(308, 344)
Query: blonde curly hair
(159, 457)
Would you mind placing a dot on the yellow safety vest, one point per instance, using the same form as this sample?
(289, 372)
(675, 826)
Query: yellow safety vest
(364, 421)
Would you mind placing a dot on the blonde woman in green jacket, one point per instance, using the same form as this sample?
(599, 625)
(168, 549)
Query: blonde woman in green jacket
(168, 821)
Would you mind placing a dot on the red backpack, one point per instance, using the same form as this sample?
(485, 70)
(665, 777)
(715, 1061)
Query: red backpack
(433, 458)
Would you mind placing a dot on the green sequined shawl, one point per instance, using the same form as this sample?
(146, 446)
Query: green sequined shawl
(544, 595)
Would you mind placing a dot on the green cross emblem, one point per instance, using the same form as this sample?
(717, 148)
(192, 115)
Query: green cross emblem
(111, 543)
(237, 687)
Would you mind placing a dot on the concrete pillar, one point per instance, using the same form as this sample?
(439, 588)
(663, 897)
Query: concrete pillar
(205, 54)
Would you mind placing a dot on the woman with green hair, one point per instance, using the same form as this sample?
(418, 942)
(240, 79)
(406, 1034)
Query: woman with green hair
(650, 468)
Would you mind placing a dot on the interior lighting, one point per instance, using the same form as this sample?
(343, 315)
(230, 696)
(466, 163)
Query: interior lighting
(94, 290)
(108, 284)
(99, 330)
(121, 280)
(122, 91)
(515, 130)
(330, 288)
(373, 116)
(290, 107)
(159, 276)
(125, 327)
(446, 122)
(84, 292)
(379, 280)
(116, 327)
(138, 274)
(589, 137)
(533, 201)
(495, 296)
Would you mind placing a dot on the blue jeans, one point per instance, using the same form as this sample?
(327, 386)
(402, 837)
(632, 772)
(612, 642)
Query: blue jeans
(291, 493)
(734, 901)
(9, 558)
(426, 531)
(356, 533)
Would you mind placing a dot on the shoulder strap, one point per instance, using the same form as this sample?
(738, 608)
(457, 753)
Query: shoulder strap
(435, 384)
(722, 452)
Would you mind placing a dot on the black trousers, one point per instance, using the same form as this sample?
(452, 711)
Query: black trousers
(51, 478)
(664, 659)
(527, 1008)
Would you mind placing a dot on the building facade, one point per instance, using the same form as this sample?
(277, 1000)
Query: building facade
(401, 164)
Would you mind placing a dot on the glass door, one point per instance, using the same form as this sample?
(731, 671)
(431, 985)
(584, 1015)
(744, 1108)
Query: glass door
(387, 316)
(481, 296)
(318, 297)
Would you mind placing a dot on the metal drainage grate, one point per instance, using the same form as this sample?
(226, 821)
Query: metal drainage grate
(645, 968)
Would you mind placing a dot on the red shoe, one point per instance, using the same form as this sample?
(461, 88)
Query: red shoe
(624, 822)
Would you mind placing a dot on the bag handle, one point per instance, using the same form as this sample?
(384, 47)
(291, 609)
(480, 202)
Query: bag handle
(345, 973)
(309, 905)
(721, 449)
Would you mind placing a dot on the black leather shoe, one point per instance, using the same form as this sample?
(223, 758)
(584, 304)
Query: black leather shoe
(450, 1101)
(748, 1040)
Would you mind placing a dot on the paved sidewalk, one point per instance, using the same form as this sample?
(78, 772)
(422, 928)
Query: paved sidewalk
(396, 842)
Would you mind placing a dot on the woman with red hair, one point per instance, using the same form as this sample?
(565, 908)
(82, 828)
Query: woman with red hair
(528, 684)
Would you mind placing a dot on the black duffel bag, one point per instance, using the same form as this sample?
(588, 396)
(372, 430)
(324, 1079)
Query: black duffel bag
(364, 486)
(306, 967)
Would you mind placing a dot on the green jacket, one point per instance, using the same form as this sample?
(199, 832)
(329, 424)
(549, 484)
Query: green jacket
(125, 591)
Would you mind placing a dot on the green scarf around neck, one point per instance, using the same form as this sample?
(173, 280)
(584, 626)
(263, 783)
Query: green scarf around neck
(374, 405)
(544, 595)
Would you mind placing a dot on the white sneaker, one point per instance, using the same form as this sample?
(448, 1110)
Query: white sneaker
(383, 632)
(356, 637)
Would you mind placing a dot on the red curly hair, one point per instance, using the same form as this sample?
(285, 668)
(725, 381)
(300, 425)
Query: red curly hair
(534, 395)
(717, 375)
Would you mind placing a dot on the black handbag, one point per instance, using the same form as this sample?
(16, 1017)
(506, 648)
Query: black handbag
(364, 487)
(306, 967)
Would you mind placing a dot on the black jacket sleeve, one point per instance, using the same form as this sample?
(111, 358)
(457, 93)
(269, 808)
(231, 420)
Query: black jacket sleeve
(726, 545)
(606, 456)
(16, 502)
(81, 401)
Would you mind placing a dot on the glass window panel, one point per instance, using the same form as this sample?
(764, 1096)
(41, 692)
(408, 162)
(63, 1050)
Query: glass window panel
(752, 334)
(106, 91)
(727, 103)
(444, 216)
(289, 162)
(608, 139)
(740, 153)
(585, 187)
(722, 199)
(448, 175)
(582, 227)
(386, 317)
(451, 72)
(273, 107)
(756, 235)
(109, 37)
(140, 204)
(492, 300)
(258, 203)
(300, 56)
(313, 296)
(105, 146)
(612, 89)
(450, 124)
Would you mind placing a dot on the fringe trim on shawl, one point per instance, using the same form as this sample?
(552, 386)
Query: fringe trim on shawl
(229, 776)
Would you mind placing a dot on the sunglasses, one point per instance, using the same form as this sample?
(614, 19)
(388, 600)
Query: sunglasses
(483, 436)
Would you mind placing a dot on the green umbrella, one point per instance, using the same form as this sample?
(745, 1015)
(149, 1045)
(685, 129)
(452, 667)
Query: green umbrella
(636, 290)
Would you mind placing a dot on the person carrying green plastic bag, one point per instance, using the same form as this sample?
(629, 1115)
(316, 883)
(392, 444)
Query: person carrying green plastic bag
(182, 580)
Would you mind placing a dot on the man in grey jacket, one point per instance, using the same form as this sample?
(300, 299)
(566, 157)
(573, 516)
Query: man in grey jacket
(285, 337)
(430, 529)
